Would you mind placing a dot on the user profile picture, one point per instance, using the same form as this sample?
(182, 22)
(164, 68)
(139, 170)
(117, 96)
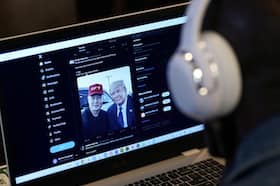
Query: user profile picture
(141, 100)
(55, 161)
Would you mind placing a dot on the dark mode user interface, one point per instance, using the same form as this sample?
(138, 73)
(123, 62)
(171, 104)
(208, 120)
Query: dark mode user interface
(79, 101)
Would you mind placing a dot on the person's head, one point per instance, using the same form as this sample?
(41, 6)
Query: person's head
(95, 101)
(251, 29)
(118, 92)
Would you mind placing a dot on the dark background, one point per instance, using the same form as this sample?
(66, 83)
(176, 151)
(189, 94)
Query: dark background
(19, 17)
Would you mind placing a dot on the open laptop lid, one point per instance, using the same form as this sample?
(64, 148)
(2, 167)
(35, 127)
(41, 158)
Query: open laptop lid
(46, 78)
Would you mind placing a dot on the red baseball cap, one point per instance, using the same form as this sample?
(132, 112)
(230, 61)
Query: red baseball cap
(95, 89)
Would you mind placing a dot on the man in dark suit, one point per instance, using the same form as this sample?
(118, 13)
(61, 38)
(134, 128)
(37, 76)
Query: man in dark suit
(121, 113)
(95, 120)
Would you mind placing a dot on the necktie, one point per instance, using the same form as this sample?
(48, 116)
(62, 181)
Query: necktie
(120, 117)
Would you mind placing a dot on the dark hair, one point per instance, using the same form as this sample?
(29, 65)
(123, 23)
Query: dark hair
(252, 27)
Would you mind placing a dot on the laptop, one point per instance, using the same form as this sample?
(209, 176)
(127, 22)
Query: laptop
(56, 84)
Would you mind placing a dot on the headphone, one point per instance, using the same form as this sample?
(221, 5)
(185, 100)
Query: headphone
(205, 80)
(203, 74)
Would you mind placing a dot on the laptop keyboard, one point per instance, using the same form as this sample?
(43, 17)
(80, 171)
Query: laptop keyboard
(203, 173)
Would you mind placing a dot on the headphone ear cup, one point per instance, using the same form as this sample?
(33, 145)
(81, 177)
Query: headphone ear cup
(221, 76)
(229, 83)
(180, 82)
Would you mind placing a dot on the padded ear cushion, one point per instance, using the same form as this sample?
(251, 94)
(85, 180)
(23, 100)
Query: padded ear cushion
(181, 85)
(229, 74)
(224, 84)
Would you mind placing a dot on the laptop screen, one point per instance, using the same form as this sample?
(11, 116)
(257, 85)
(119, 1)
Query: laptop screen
(78, 96)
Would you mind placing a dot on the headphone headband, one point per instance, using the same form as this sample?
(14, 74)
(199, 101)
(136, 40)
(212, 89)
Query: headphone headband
(195, 14)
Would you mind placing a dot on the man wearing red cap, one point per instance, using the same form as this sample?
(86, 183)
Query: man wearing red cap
(95, 120)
